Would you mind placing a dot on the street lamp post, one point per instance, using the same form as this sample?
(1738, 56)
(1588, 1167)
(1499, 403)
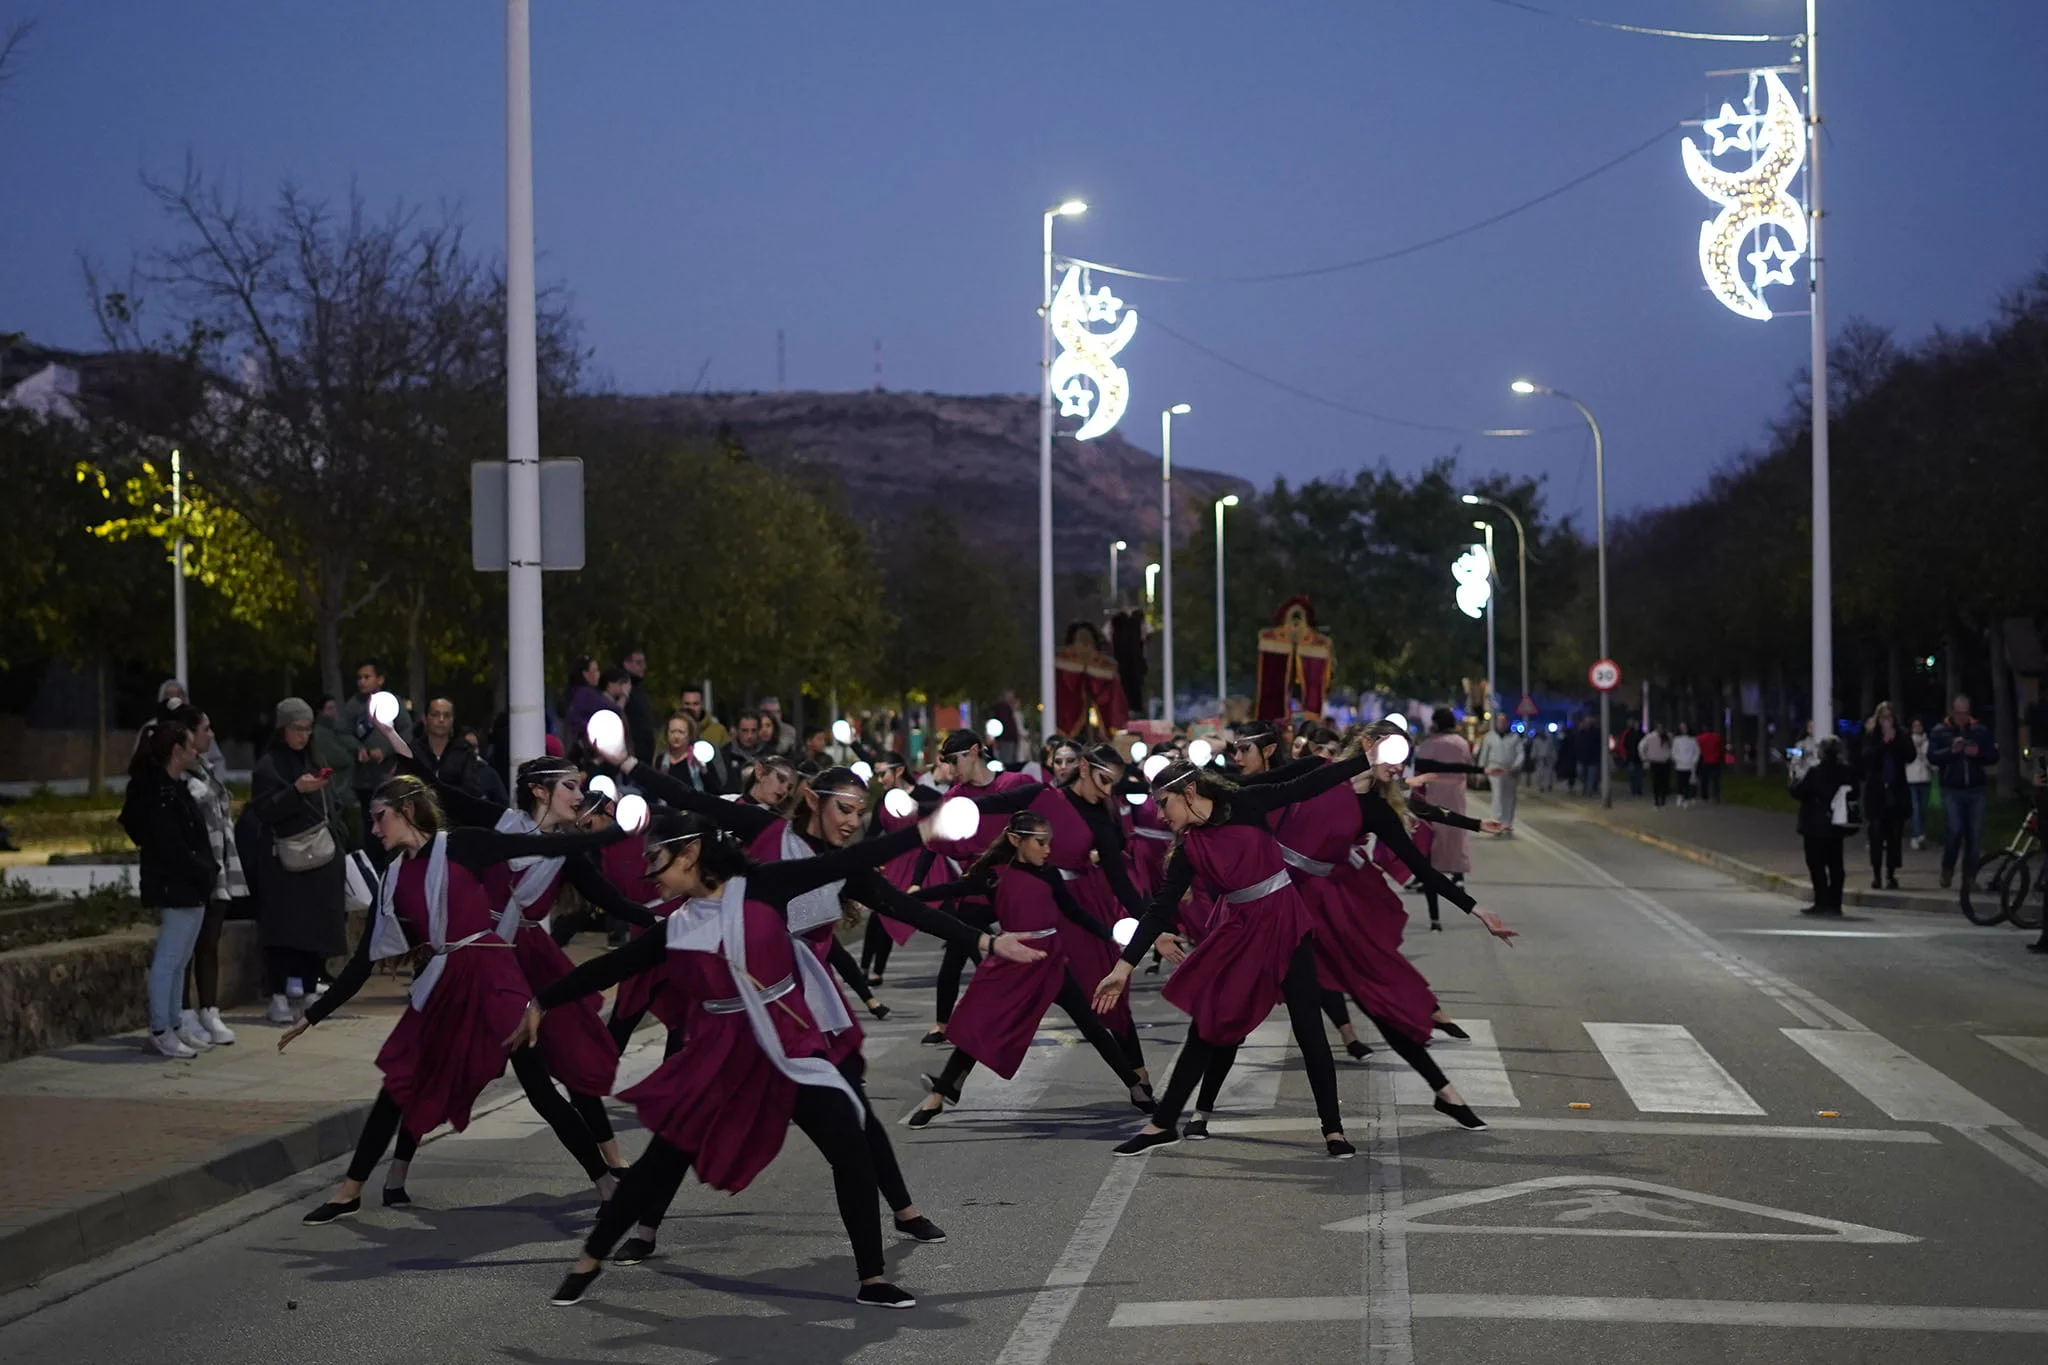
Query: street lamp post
(1222, 680)
(1524, 386)
(1152, 583)
(1116, 547)
(180, 659)
(1522, 565)
(1485, 528)
(1046, 680)
(1823, 566)
(524, 664)
(1166, 547)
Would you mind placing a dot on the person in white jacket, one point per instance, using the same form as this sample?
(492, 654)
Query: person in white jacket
(1656, 752)
(1685, 757)
(1501, 753)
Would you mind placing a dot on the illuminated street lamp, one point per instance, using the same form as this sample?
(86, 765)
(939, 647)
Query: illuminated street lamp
(1522, 559)
(1166, 543)
(1222, 686)
(1116, 547)
(1046, 680)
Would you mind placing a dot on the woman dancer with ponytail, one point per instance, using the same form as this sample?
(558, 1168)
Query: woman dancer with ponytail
(834, 804)
(578, 1049)
(1262, 950)
(1005, 1002)
(467, 992)
(757, 1042)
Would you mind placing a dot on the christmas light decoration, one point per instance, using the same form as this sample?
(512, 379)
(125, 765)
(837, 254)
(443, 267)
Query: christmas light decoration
(1753, 200)
(1085, 376)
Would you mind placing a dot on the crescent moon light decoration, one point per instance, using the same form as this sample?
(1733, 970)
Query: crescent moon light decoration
(1475, 587)
(1752, 201)
(1089, 358)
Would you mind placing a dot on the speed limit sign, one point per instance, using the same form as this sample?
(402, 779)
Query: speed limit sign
(1605, 675)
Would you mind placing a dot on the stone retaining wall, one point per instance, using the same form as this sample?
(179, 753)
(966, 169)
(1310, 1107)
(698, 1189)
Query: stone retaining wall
(55, 994)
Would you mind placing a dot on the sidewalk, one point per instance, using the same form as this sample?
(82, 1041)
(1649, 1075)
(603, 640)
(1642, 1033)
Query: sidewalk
(1759, 847)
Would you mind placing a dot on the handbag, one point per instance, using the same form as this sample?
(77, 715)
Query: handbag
(310, 849)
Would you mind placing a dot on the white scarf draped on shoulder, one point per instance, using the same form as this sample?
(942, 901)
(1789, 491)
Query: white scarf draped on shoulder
(531, 875)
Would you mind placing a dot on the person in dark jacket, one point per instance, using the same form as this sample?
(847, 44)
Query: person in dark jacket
(452, 756)
(638, 705)
(1961, 752)
(299, 915)
(178, 871)
(1888, 751)
(1816, 791)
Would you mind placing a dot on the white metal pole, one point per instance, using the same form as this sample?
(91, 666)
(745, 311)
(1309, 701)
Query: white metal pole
(1166, 556)
(1048, 710)
(1222, 678)
(1600, 517)
(1823, 568)
(524, 648)
(180, 658)
(1492, 591)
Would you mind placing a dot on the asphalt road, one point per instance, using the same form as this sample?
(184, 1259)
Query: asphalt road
(1723, 1134)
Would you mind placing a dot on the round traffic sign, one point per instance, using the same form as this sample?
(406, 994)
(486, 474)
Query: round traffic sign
(1605, 675)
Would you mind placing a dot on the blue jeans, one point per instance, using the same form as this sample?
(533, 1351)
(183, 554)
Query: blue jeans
(1918, 791)
(1963, 809)
(176, 932)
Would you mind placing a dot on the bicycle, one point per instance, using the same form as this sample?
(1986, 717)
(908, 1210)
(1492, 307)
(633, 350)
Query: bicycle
(1997, 890)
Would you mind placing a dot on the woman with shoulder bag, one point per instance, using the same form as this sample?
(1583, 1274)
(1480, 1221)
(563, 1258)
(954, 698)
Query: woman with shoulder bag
(1826, 793)
(300, 876)
(178, 871)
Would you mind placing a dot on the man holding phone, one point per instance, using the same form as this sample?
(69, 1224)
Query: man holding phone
(1961, 751)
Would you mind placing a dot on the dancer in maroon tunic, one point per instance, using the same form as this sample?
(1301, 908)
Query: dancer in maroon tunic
(757, 1042)
(1000, 1013)
(885, 935)
(467, 987)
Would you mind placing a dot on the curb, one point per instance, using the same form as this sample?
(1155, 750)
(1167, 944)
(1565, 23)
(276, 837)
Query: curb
(1764, 879)
(92, 1225)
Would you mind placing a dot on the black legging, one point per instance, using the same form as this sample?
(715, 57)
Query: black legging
(204, 981)
(849, 971)
(1074, 1001)
(876, 947)
(570, 1129)
(1408, 1050)
(825, 1118)
(1887, 840)
(980, 914)
(282, 964)
(1457, 879)
(1304, 1014)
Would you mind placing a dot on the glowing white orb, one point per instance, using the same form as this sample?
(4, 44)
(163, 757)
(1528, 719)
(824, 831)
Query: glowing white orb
(603, 786)
(863, 771)
(1138, 751)
(383, 708)
(994, 728)
(1200, 752)
(995, 765)
(1123, 931)
(1154, 766)
(1398, 719)
(1136, 798)
(1392, 750)
(842, 733)
(703, 751)
(899, 803)
(606, 732)
(957, 819)
(632, 813)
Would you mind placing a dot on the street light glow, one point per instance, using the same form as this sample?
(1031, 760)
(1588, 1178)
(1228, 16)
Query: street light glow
(1470, 499)
(1523, 386)
(1180, 409)
(1119, 546)
(1229, 500)
(1070, 208)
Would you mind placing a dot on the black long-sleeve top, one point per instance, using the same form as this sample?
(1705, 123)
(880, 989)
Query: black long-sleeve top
(983, 887)
(1243, 806)
(774, 884)
(1383, 821)
(863, 884)
(995, 803)
(477, 850)
(1437, 815)
(466, 810)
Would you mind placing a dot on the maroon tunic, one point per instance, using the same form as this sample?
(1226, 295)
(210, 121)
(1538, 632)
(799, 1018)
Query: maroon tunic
(574, 1044)
(624, 866)
(900, 872)
(1229, 983)
(1000, 1011)
(1077, 859)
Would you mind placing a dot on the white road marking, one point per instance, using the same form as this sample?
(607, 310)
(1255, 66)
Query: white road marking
(1670, 1212)
(1894, 1080)
(1576, 1308)
(1988, 1139)
(2032, 1051)
(1833, 933)
(1254, 1081)
(1666, 1071)
(1918, 1137)
(985, 1093)
(1032, 1342)
(1389, 1335)
(1475, 1068)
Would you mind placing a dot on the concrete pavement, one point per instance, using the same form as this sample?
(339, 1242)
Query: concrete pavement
(1721, 1133)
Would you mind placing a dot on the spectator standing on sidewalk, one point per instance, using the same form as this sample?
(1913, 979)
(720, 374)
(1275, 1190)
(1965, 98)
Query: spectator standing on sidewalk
(177, 873)
(1501, 753)
(1961, 752)
(1543, 757)
(1568, 757)
(1685, 761)
(691, 704)
(1919, 776)
(1713, 753)
(1593, 765)
(334, 746)
(373, 766)
(1445, 748)
(453, 757)
(581, 699)
(1629, 744)
(208, 787)
(1888, 753)
(679, 759)
(1654, 752)
(639, 705)
(299, 914)
(1826, 792)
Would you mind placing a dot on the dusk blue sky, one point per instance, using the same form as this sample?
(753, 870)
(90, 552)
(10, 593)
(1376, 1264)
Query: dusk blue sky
(708, 173)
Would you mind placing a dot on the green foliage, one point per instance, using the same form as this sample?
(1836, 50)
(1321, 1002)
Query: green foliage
(955, 635)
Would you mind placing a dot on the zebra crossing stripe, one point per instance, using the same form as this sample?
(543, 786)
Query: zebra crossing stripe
(1896, 1081)
(1665, 1070)
(1475, 1068)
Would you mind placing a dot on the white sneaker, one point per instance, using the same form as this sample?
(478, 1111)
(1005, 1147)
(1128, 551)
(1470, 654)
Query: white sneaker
(280, 1011)
(170, 1045)
(220, 1033)
(193, 1033)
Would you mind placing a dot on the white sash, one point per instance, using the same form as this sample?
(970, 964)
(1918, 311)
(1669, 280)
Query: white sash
(532, 877)
(720, 926)
(812, 908)
(1164, 836)
(387, 937)
(1258, 891)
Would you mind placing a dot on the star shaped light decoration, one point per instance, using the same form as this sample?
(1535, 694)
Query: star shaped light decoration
(1744, 136)
(1772, 263)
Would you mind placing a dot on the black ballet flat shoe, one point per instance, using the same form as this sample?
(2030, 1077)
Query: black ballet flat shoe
(921, 1117)
(1451, 1030)
(2039, 946)
(619, 1172)
(574, 1286)
(331, 1210)
(1435, 928)
(885, 1296)
(879, 1010)
(1891, 883)
(1461, 1114)
(932, 1086)
(873, 980)
(1145, 1142)
(920, 1229)
(1195, 1130)
(1340, 1149)
(633, 1251)
(1359, 1051)
(935, 1038)
(395, 1195)
(1141, 1098)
